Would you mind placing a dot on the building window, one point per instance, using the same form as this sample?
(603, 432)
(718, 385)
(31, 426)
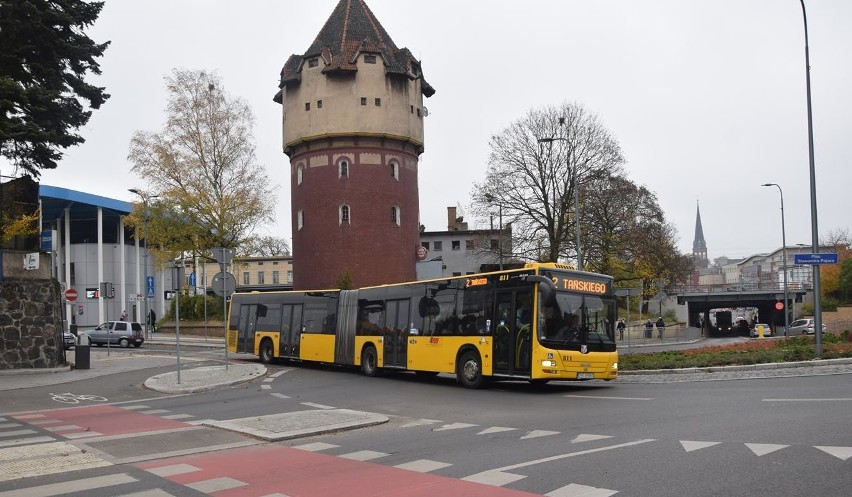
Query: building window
(319, 104)
(344, 214)
(455, 273)
(456, 244)
(394, 170)
(289, 275)
(438, 246)
(343, 168)
(300, 219)
(260, 263)
(468, 244)
(261, 278)
(276, 277)
(245, 278)
(395, 215)
(307, 106)
(300, 172)
(363, 100)
(313, 62)
(370, 59)
(378, 102)
(425, 245)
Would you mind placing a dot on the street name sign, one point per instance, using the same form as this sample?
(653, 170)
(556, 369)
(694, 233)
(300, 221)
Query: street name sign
(812, 259)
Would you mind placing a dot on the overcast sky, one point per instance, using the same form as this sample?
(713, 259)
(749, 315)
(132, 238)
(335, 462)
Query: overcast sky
(707, 98)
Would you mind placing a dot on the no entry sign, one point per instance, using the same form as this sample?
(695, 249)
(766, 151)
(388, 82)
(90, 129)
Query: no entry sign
(70, 295)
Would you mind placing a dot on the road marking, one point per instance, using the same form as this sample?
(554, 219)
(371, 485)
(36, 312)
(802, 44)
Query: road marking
(495, 429)
(280, 395)
(494, 478)
(136, 407)
(315, 447)
(156, 411)
(605, 397)
(364, 455)
(318, 406)
(584, 437)
(157, 492)
(179, 416)
(16, 433)
(23, 441)
(841, 399)
(82, 434)
(538, 433)
(68, 487)
(216, 485)
(420, 422)
(42, 422)
(23, 417)
(574, 490)
(63, 428)
(763, 449)
(279, 373)
(843, 453)
(423, 465)
(265, 387)
(690, 445)
(173, 469)
(454, 426)
(9, 425)
(573, 454)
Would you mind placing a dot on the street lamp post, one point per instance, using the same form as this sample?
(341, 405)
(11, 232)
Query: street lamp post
(784, 255)
(145, 198)
(814, 230)
(576, 191)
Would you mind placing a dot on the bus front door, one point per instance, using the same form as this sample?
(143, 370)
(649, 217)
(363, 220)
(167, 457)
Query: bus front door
(396, 334)
(511, 333)
(291, 331)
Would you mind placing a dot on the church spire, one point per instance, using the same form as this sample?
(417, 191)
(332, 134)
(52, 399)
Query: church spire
(699, 246)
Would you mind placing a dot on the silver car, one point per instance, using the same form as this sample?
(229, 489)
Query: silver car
(121, 333)
(756, 329)
(804, 326)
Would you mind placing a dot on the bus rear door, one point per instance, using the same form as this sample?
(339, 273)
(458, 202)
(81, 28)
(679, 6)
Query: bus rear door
(291, 330)
(396, 336)
(247, 328)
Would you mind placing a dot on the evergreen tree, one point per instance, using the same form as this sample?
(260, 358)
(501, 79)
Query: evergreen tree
(44, 57)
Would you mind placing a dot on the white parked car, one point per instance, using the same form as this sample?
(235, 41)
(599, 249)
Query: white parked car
(804, 326)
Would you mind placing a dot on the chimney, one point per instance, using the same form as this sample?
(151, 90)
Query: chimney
(451, 219)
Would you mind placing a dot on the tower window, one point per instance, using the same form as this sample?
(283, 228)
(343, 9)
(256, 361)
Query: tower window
(319, 104)
(300, 219)
(313, 62)
(307, 106)
(370, 59)
(344, 214)
(344, 169)
(363, 100)
(378, 102)
(395, 215)
(394, 170)
(300, 173)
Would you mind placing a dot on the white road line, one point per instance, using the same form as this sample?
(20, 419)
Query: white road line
(276, 375)
(174, 469)
(763, 449)
(9, 425)
(843, 453)
(156, 411)
(573, 454)
(268, 380)
(280, 395)
(315, 447)
(42, 422)
(420, 422)
(157, 492)
(216, 485)
(63, 428)
(538, 433)
(585, 437)
(840, 399)
(136, 407)
(68, 487)
(16, 433)
(423, 465)
(29, 416)
(82, 434)
(178, 416)
(318, 406)
(494, 478)
(454, 426)
(364, 455)
(604, 397)
(495, 429)
(691, 445)
(265, 386)
(26, 441)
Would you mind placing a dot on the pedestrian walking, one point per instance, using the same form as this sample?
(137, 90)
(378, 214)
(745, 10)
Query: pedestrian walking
(661, 327)
(620, 327)
(124, 315)
(649, 328)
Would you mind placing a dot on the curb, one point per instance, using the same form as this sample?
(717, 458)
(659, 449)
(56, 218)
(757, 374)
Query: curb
(744, 367)
(195, 380)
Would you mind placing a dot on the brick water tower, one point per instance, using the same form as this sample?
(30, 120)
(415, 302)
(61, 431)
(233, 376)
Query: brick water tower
(353, 130)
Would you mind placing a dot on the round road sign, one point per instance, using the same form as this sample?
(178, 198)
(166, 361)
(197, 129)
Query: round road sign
(421, 253)
(70, 295)
(779, 306)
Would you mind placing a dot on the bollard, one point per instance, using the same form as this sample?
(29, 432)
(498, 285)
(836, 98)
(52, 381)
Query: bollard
(82, 353)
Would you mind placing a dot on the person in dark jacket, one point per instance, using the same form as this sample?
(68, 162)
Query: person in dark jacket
(661, 327)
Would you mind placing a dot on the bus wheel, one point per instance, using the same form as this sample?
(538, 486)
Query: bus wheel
(470, 370)
(369, 361)
(267, 352)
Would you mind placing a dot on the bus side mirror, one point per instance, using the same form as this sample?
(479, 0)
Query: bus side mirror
(545, 287)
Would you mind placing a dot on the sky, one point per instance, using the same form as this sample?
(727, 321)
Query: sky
(706, 98)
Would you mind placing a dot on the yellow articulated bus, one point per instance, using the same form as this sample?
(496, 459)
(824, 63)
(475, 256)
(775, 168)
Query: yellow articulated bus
(539, 323)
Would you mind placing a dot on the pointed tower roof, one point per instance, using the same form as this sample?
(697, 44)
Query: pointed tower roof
(352, 29)
(698, 245)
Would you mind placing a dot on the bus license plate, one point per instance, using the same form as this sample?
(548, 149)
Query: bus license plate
(585, 376)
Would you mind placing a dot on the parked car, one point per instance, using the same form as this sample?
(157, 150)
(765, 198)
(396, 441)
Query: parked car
(755, 330)
(121, 333)
(69, 339)
(804, 326)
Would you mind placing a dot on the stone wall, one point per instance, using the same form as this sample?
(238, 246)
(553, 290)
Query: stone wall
(30, 324)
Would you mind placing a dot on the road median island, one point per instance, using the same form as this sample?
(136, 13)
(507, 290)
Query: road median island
(298, 424)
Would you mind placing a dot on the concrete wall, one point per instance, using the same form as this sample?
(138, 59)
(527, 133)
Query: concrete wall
(30, 324)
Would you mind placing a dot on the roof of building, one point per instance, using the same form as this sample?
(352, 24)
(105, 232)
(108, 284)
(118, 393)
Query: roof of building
(83, 206)
(352, 29)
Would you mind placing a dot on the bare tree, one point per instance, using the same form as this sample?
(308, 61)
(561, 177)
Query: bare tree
(265, 246)
(837, 238)
(202, 166)
(534, 182)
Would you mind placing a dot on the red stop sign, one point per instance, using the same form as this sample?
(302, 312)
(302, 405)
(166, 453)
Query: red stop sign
(779, 306)
(70, 295)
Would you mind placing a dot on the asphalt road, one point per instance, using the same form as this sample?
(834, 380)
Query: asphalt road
(784, 436)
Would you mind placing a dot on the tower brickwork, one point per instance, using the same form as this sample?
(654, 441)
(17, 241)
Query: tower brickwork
(353, 131)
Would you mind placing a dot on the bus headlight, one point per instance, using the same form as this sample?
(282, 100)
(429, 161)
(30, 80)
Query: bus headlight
(548, 364)
(614, 366)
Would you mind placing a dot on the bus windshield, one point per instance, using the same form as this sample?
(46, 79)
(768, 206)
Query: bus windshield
(571, 321)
